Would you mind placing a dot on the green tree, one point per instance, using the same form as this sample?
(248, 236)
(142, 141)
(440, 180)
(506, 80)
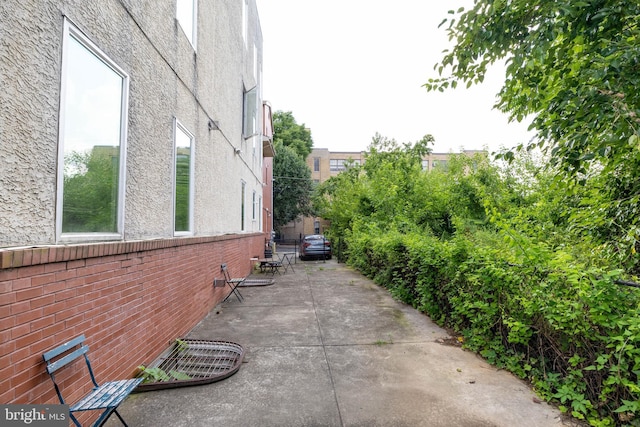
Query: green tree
(292, 186)
(573, 67)
(90, 191)
(288, 132)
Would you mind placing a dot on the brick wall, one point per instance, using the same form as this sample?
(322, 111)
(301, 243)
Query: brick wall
(130, 300)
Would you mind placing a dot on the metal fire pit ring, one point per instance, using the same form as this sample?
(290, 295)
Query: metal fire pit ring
(203, 361)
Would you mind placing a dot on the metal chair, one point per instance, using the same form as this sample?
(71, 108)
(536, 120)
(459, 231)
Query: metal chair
(233, 283)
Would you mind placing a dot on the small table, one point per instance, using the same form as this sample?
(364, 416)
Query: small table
(270, 265)
(286, 261)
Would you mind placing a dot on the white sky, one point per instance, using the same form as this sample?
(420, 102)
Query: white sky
(347, 69)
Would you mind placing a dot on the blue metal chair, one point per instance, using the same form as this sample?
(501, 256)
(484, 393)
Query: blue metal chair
(105, 397)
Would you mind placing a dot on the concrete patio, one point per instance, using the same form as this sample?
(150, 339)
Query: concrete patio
(325, 346)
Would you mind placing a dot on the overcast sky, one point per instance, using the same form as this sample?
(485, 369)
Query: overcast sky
(347, 69)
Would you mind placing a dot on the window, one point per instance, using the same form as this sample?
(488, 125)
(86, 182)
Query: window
(250, 115)
(187, 16)
(316, 164)
(244, 185)
(260, 213)
(183, 173)
(425, 165)
(440, 164)
(336, 165)
(93, 120)
(254, 202)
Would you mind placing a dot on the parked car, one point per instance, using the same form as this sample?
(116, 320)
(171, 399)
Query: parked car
(315, 246)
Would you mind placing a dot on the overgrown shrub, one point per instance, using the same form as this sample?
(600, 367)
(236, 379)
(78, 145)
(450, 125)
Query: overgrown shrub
(572, 332)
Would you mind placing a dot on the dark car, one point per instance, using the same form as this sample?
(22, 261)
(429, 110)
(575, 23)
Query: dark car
(315, 246)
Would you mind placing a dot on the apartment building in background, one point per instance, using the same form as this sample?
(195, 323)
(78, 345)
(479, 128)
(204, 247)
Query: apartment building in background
(135, 159)
(324, 164)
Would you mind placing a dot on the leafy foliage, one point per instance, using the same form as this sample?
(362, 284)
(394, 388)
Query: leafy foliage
(292, 186)
(291, 134)
(573, 67)
(496, 254)
(90, 191)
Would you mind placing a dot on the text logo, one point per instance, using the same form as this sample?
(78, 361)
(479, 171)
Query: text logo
(34, 415)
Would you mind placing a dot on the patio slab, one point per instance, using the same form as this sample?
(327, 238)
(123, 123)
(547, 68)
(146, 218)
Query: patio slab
(325, 346)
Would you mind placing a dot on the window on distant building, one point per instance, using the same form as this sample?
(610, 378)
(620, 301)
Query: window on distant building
(183, 179)
(440, 164)
(316, 164)
(93, 128)
(187, 15)
(336, 165)
(425, 165)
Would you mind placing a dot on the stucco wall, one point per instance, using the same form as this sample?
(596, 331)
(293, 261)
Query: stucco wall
(168, 79)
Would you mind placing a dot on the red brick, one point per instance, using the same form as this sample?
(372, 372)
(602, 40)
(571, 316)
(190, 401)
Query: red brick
(42, 301)
(19, 284)
(28, 339)
(53, 308)
(6, 299)
(75, 264)
(8, 274)
(43, 279)
(31, 271)
(66, 274)
(45, 344)
(65, 295)
(20, 307)
(27, 294)
(28, 316)
(52, 330)
(54, 287)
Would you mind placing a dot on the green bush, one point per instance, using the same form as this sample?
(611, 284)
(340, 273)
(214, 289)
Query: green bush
(572, 332)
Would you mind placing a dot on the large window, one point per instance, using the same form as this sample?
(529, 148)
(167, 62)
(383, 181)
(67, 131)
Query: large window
(183, 179)
(187, 13)
(316, 164)
(339, 165)
(93, 118)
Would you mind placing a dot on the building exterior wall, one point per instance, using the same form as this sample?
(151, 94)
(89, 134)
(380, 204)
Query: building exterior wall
(133, 294)
(129, 299)
(168, 79)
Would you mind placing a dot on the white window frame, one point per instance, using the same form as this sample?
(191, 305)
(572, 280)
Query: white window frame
(250, 113)
(259, 213)
(254, 204)
(179, 127)
(243, 205)
(194, 20)
(70, 30)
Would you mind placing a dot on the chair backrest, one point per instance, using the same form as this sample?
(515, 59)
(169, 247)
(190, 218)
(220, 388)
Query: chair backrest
(57, 359)
(53, 366)
(225, 270)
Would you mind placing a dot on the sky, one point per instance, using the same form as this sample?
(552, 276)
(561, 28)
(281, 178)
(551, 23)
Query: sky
(348, 69)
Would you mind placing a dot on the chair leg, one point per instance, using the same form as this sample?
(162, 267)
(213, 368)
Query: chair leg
(121, 420)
